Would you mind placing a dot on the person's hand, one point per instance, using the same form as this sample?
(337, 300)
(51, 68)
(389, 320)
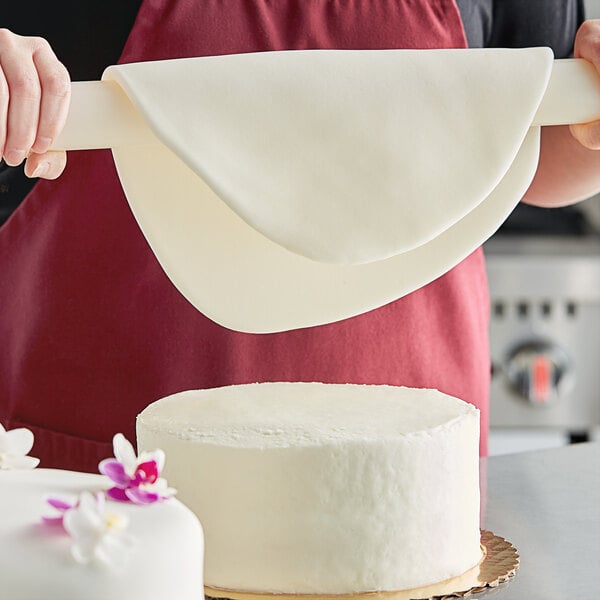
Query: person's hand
(587, 45)
(35, 90)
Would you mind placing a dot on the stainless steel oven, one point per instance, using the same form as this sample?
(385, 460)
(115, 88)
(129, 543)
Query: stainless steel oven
(544, 276)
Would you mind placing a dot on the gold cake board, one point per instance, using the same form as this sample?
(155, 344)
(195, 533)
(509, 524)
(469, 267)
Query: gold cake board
(500, 562)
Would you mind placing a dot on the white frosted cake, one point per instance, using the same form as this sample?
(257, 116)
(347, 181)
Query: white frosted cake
(158, 555)
(313, 488)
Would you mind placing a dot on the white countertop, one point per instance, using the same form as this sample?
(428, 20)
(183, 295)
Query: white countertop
(547, 503)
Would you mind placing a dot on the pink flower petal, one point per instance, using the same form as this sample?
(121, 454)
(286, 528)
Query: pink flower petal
(119, 494)
(115, 471)
(59, 504)
(56, 520)
(62, 506)
(149, 471)
(138, 496)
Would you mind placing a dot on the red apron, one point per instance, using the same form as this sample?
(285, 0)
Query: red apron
(92, 331)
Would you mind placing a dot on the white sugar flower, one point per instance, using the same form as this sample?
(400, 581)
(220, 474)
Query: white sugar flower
(96, 534)
(14, 447)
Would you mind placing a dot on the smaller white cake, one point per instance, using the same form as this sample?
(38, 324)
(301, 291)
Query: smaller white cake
(307, 488)
(165, 545)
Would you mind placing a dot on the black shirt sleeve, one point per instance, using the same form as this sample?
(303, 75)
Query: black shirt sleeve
(522, 23)
(477, 21)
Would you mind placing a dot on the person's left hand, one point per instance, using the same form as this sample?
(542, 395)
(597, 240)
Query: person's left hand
(587, 46)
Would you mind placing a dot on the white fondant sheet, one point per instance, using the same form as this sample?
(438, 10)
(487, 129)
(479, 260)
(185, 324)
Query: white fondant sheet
(317, 185)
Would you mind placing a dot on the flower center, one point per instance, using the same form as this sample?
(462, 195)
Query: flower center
(114, 521)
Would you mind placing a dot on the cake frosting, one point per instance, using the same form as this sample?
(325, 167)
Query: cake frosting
(162, 558)
(322, 488)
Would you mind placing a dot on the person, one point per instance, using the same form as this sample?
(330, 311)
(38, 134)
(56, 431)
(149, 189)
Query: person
(92, 330)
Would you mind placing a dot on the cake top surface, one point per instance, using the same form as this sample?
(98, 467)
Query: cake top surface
(279, 415)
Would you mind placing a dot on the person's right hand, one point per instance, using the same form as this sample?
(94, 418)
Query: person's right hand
(35, 89)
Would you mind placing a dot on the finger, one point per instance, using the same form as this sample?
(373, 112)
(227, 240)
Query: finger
(586, 42)
(587, 46)
(23, 105)
(587, 134)
(3, 110)
(48, 165)
(55, 85)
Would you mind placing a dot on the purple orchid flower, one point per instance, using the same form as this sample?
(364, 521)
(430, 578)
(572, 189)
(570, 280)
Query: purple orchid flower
(136, 478)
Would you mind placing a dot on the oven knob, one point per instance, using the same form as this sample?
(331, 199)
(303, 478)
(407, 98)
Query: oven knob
(538, 371)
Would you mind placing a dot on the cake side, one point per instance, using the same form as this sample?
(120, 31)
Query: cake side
(35, 562)
(348, 512)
